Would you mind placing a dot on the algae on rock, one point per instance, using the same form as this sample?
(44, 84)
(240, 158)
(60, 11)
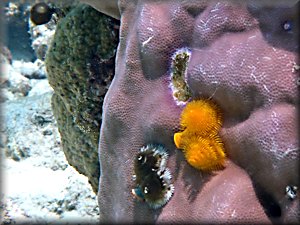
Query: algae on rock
(80, 66)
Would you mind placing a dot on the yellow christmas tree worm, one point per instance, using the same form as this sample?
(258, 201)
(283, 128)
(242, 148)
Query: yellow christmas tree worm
(203, 148)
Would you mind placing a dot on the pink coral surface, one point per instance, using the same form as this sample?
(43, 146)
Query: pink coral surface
(243, 55)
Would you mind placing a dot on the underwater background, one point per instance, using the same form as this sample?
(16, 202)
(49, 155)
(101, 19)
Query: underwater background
(169, 111)
(37, 183)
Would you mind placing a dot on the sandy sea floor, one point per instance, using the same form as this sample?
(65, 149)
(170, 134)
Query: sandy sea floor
(37, 184)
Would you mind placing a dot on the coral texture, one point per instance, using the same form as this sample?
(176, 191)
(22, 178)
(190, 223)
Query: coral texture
(80, 66)
(243, 55)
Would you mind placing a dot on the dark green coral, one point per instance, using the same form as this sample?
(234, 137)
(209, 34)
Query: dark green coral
(80, 66)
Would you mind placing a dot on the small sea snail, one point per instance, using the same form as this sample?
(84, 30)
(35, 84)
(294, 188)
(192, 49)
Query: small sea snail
(41, 13)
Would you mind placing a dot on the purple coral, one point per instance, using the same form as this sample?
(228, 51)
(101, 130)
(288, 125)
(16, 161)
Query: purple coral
(243, 58)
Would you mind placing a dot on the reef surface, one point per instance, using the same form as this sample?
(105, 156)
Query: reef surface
(244, 57)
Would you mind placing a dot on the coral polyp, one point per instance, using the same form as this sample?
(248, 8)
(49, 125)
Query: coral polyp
(203, 148)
